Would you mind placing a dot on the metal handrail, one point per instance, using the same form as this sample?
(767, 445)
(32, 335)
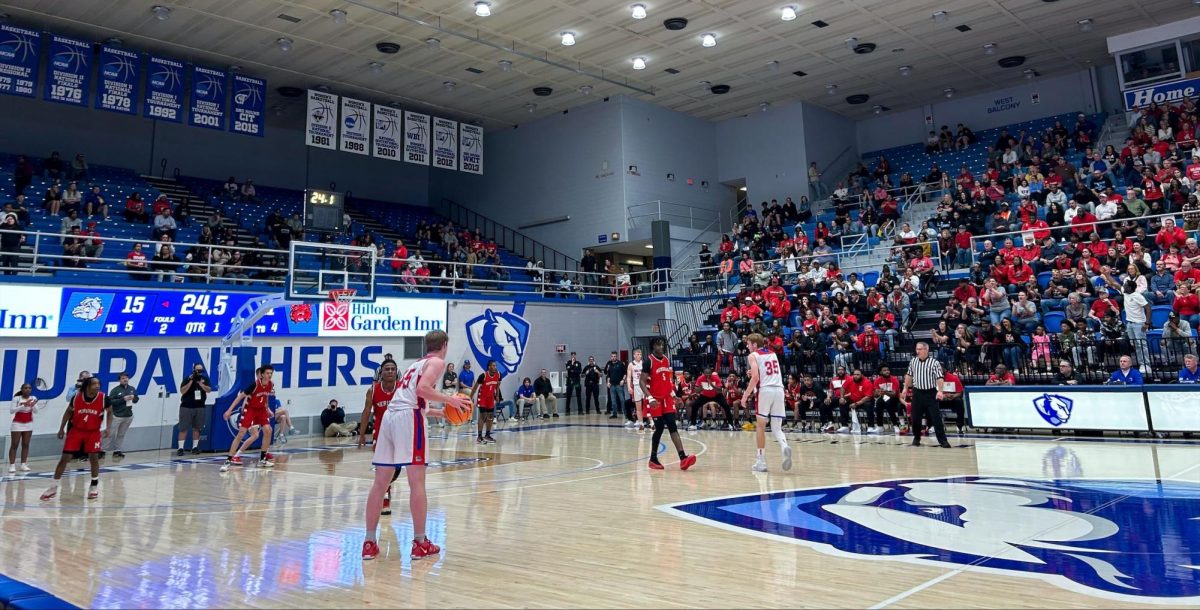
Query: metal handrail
(631, 217)
(527, 247)
(975, 239)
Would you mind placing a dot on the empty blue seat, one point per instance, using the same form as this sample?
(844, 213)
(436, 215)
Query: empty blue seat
(1044, 279)
(1053, 321)
(1158, 315)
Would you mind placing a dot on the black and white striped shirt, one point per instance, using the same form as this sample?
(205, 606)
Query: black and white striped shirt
(925, 374)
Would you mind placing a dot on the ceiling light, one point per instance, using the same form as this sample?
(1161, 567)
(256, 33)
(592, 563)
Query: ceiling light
(639, 63)
(530, 108)
(1085, 25)
(483, 8)
(708, 40)
(989, 48)
(161, 13)
(568, 39)
(851, 43)
(638, 11)
(339, 16)
(764, 106)
(585, 90)
(831, 89)
(704, 84)
(773, 66)
(375, 67)
(788, 13)
(905, 70)
(505, 65)
(1029, 73)
(877, 109)
(433, 44)
(650, 246)
(284, 44)
(743, 189)
(940, 17)
(449, 85)
(948, 92)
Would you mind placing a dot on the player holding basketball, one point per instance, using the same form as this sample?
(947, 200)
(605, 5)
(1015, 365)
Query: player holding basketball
(255, 420)
(658, 385)
(766, 380)
(86, 414)
(379, 396)
(402, 442)
(484, 395)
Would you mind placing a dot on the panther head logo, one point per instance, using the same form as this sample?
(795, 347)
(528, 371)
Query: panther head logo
(499, 336)
(89, 309)
(1085, 535)
(1054, 408)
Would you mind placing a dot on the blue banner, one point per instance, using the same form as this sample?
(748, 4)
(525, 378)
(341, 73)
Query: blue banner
(249, 96)
(208, 98)
(164, 90)
(119, 74)
(19, 52)
(1165, 93)
(69, 71)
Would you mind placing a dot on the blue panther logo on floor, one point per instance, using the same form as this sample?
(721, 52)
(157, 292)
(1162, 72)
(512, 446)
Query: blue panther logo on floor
(500, 336)
(1054, 408)
(1120, 539)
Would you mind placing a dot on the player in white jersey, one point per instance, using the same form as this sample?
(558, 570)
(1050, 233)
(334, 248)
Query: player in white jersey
(766, 379)
(401, 443)
(633, 382)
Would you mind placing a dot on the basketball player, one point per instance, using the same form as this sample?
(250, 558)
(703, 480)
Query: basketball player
(86, 414)
(402, 443)
(255, 420)
(658, 386)
(633, 377)
(484, 394)
(379, 396)
(766, 380)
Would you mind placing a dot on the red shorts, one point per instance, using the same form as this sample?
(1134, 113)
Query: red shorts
(87, 441)
(254, 417)
(661, 406)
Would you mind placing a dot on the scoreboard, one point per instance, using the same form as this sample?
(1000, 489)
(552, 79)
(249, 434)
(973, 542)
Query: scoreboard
(146, 313)
(324, 211)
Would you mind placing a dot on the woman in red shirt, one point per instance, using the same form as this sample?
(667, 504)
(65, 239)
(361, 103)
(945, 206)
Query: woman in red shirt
(1187, 305)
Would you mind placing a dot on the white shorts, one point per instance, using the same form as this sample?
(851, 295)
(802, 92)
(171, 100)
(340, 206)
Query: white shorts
(22, 427)
(771, 403)
(401, 439)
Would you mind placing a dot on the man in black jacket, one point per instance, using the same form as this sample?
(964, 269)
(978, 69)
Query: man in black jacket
(614, 374)
(543, 391)
(574, 381)
(591, 386)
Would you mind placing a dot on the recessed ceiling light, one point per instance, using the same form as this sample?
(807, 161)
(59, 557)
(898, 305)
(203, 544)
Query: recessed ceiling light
(704, 84)
(940, 17)
(639, 63)
(638, 11)
(483, 8)
(905, 70)
(851, 43)
(831, 89)
(788, 13)
(948, 92)
(773, 66)
(505, 65)
(284, 44)
(708, 40)
(339, 16)
(585, 90)
(375, 67)
(433, 44)
(449, 85)
(1029, 73)
(568, 39)
(763, 107)
(161, 13)
(877, 109)
(989, 48)
(530, 108)
(1085, 25)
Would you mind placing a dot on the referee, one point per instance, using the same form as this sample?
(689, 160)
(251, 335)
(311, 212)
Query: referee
(925, 378)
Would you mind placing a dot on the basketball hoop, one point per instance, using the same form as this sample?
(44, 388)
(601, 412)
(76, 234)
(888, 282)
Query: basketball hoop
(342, 295)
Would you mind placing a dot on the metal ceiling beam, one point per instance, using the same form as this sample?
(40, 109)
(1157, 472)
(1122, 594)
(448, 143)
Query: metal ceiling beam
(487, 43)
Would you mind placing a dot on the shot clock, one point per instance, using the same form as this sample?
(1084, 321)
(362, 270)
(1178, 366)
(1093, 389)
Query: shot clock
(324, 211)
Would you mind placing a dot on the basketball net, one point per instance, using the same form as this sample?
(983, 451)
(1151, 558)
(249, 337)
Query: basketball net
(342, 295)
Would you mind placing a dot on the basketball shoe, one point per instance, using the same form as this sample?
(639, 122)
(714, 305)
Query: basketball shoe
(424, 548)
(787, 457)
(655, 465)
(93, 492)
(370, 550)
(687, 462)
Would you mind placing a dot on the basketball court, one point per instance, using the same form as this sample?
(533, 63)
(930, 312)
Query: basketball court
(567, 515)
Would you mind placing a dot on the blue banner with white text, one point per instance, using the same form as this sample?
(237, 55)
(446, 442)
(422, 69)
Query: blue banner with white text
(164, 90)
(69, 71)
(208, 98)
(249, 97)
(120, 71)
(20, 50)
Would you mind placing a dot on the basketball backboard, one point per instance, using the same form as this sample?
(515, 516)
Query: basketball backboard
(316, 268)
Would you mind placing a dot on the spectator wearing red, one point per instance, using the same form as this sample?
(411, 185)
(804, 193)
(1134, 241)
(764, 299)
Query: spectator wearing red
(1083, 224)
(779, 309)
(1170, 235)
(965, 179)
(1187, 274)
(867, 341)
(1038, 227)
(1187, 304)
(1088, 264)
(1031, 252)
(1097, 247)
(160, 204)
(135, 209)
(858, 393)
(965, 290)
(1002, 376)
(749, 310)
(731, 313)
(1009, 251)
(135, 262)
(1100, 308)
(774, 291)
(1020, 273)
(847, 319)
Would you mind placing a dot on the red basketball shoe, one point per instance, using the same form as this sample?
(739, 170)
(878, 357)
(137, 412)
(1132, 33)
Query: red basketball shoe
(655, 466)
(687, 462)
(370, 550)
(424, 548)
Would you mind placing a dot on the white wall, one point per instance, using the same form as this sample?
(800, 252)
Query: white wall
(1058, 95)
(767, 150)
(829, 141)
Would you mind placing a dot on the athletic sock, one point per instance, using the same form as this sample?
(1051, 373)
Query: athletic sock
(760, 454)
(262, 455)
(95, 481)
(182, 443)
(682, 454)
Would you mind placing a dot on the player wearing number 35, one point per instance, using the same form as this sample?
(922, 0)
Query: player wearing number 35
(766, 384)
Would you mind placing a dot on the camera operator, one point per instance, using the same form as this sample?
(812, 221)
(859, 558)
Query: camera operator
(333, 421)
(193, 394)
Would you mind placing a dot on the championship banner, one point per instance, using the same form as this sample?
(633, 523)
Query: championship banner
(208, 98)
(319, 129)
(356, 126)
(69, 71)
(20, 50)
(119, 74)
(470, 148)
(164, 90)
(416, 138)
(248, 105)
(385, 133)
(445, 143)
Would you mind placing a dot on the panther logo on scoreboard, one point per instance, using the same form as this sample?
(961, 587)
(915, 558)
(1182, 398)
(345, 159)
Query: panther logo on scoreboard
(1099, 537)
(335, 316)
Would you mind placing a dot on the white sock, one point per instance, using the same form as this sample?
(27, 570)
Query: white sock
(182, 443)
(778, 432)
(760, 454)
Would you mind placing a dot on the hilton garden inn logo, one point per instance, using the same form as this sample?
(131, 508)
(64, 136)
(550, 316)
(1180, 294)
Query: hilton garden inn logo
(399, 317)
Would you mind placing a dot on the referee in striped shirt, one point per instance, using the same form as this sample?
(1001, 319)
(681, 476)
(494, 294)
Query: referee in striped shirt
(925, 377)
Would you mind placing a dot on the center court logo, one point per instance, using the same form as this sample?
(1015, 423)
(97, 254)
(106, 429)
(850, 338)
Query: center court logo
(499, 336)
(1100, 537)
(1054, 408)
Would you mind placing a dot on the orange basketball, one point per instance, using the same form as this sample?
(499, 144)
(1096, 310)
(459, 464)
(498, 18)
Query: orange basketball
(456, 416)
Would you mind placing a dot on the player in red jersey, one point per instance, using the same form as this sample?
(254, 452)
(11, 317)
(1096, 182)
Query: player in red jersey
(379, 396)
(255, 420)
(485, 394)
(658, 386)
(86, 414)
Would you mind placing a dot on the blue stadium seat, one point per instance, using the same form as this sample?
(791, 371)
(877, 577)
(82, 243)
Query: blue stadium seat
(1158, 315)
(870, 278)
(1053, 321)
(1044, 279)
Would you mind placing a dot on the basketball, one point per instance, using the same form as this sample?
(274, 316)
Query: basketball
(456, 416)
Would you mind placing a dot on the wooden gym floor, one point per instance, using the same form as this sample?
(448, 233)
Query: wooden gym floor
(566, 514)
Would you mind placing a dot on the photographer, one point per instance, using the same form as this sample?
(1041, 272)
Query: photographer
(193, 394)
(333, 421)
